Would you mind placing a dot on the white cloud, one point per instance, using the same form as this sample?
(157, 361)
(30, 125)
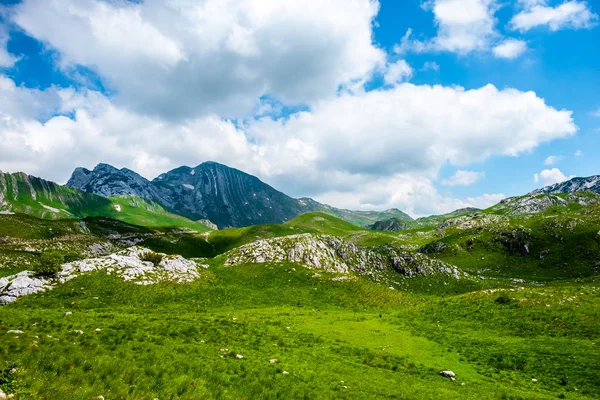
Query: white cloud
(568, 15)
(486, 200)
(551, 160)
(510, 48)
(578, 153)
(464, 178)
(431, 66)
(348, 147)
(464, 26)
(397, 72)
(596, 113)
(550, 176)
(188, 58)
(6, 59)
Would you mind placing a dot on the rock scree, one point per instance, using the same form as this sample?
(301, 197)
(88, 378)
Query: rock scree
(126, 264)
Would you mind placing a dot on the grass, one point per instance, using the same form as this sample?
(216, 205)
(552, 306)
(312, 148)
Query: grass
(521, 327)
(351, 339)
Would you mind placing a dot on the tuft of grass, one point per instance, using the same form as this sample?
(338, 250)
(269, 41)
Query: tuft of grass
(154, 258)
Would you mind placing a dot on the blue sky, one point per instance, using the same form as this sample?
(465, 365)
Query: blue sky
(360, 104)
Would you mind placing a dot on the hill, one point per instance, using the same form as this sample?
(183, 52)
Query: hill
(24, 194)
(395, 224)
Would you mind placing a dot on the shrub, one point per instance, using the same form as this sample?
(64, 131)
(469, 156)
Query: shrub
(504, 299)
(153, 257)
(49, 263)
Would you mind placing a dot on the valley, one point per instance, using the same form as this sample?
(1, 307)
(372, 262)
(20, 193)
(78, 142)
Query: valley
(506, 298)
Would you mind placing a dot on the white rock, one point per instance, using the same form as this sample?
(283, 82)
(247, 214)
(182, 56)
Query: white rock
(285, 373)
(18, 332)
(126, 264)
(3, 395)
(273, 361)
(239, 356)
(68, 313)
(448, 374)
(78, 331)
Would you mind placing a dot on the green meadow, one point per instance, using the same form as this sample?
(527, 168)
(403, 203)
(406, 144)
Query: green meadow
(518, 327)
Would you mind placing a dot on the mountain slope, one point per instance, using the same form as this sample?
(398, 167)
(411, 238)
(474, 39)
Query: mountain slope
(591, 183)
(226, 196)
(396, 224)
(24, 194)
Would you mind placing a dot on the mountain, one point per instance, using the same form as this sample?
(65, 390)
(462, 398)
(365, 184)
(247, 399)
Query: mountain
(396, 224)
(391, 225)
(211, 191)
(535, 203)
(591, 184)
(363, 218)
(25, 194)
(225, 196)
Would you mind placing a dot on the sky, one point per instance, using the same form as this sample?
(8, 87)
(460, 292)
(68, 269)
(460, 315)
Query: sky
(427, 106)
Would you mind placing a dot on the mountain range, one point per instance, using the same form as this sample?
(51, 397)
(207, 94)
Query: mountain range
(211, 191)
(210, 194)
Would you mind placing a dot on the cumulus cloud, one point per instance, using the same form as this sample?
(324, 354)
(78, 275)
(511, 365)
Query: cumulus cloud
(182, 59)
(345, 147)
(596, 113)
(510, 49)
(397, 72)
(578, 153)
(463, 26)
(568, 15)
(551, 160)
(551, 176)
(6, 59)
(464, 178)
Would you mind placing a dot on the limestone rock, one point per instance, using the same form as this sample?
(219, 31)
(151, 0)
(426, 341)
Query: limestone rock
(126, 264)
(448, 374)
(333, 254)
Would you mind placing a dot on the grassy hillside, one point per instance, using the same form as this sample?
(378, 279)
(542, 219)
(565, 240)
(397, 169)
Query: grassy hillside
(396, 224)
(524, 325)
(348, 339)
(362, 218)
(24, 194)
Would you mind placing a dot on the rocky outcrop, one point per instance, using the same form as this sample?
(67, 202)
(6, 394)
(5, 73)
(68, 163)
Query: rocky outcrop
(477, 220)
(536, 203)
(126, 264)
(591, 184)
(333, 254)
(391, 225)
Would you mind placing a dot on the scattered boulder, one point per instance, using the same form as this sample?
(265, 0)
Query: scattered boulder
(448, 374)
(16, 331)
(273, 361)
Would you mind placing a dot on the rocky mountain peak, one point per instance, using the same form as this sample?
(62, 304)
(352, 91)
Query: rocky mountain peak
(591, 183)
